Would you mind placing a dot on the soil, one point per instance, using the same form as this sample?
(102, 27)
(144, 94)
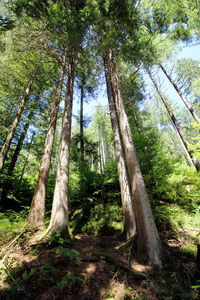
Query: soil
(98, 268)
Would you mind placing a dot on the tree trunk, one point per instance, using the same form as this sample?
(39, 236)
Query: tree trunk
(82, 148)
(6, 145)
(179, 131)
(81, 124)
(59, 215)
(146, 228)
(26, 160)
(6, 185)
(126, 197)
(19, 144)
(37, 210)
(185, 101)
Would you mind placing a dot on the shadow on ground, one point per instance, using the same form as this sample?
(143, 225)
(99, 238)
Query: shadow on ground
(80, 270)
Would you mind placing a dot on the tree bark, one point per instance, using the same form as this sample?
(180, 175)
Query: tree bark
(185, 101)
(6, 145)
(146, 228)
(37, 210)
(179, 131)
(126, 197)
(59, 215)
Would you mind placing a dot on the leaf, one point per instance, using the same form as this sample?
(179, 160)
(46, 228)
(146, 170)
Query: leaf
(71, 253)
(76, 280)
(62, 284)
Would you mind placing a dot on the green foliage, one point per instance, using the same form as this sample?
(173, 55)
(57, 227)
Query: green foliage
(11, 223)
(68, 252)
(76, 280)
(62, 284)
(196, 146)
(104, 219)
(73, 279)
(6, 23)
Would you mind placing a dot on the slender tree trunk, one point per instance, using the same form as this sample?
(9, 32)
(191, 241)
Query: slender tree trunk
(101, 166)
(185, 101)
(59, 215)
(137, 125)
(6, 185)
(146, 228)
(104, 147)
(81, 124)
(37, 210)
(126, 197)
(82, 150)
(102, 143)
(6, 145)
(19, 144)
(175, 123)
(26, 159)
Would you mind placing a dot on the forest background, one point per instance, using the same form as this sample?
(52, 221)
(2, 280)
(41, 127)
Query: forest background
(133, 161)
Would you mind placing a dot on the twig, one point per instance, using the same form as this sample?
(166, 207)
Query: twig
(10, 245)
(14, 240)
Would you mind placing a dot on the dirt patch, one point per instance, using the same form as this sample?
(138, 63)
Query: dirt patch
(95, 268)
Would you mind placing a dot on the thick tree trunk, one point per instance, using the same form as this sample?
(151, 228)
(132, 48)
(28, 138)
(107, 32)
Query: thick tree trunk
(185, 101)
(59, 215)
(6, 145)
(37, 210)
(146, 228)
(126, 197)
(179, 131)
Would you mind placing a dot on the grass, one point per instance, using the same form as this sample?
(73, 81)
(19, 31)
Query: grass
(11, 223)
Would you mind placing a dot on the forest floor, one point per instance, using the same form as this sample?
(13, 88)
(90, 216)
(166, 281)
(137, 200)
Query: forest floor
(95, 268)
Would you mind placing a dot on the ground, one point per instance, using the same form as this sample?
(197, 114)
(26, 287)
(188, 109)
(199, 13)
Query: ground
(94, 267)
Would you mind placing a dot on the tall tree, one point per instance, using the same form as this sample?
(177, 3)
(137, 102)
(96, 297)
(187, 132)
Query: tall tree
(183, 139)
(5, 186)
(59, 214)
(185, 101)
(37, 210)
(6, 145)
(146, 228)
(126, 196)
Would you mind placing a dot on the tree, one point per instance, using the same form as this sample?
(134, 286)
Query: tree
(146, 228)
(37, 210)
(184, 141)
(59, 214)
(14, 125)
(126, 196)
(72, 44)
(185, 101)
(5, 186)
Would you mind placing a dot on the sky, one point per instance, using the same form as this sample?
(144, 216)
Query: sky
(89, 108)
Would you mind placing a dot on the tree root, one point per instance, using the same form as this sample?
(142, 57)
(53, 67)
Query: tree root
(124, 244)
